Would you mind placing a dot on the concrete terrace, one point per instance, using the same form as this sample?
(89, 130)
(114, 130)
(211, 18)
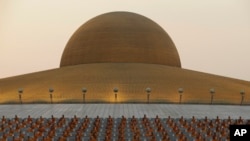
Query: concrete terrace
(128, 110)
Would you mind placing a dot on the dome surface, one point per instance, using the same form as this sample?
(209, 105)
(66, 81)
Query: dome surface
(120, 37)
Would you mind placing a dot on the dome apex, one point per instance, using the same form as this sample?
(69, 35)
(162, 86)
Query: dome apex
(120, 37)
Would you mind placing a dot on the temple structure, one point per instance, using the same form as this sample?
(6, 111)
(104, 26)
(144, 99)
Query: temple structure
(122, 57)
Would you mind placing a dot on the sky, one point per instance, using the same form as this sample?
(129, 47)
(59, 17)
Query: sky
(211, 36)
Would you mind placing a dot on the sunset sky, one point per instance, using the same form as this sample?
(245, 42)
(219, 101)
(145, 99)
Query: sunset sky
(211, 36)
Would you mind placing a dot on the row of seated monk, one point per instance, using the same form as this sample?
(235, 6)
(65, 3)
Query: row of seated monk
(122, 128)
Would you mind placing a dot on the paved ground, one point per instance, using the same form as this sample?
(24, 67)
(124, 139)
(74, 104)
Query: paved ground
(128, 110)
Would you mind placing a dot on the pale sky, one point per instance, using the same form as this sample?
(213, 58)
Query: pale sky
(211, 36)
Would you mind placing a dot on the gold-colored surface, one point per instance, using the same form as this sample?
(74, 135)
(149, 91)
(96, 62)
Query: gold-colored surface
(120, 37)
(130, 78)
(126, 51)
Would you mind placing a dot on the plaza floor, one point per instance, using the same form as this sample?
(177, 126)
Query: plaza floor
(128, 110)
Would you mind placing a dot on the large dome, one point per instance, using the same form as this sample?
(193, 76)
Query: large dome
(125, 51)
(120, 37)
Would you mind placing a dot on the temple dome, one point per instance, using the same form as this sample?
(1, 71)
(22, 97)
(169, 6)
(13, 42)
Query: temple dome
(120, 37)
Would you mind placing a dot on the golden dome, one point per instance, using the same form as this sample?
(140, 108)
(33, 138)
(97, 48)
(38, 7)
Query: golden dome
(120, 37)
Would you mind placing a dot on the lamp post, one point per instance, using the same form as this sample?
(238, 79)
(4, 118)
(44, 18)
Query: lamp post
(148, 90)
(180, 90)
(20, 91)
(115, 91)
(51, 90)
(212, 91)
(84, 90)
(242, 92)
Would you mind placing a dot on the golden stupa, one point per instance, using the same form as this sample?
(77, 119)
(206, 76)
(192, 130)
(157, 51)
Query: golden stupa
(129, 52)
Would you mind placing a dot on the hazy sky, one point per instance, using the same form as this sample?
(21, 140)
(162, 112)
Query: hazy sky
(211, 36)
